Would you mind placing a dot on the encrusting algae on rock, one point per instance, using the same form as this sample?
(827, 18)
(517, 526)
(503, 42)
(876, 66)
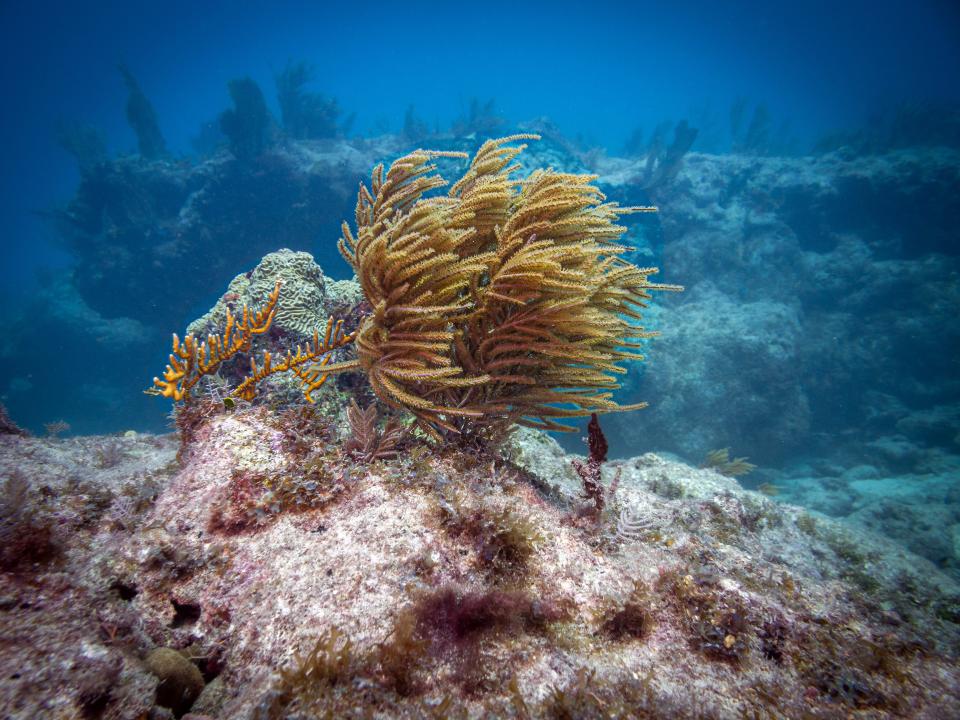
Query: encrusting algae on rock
(456, 583)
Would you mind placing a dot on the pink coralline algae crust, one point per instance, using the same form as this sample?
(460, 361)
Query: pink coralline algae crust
(446, 583)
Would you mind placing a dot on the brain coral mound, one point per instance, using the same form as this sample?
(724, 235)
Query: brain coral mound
(308, 297)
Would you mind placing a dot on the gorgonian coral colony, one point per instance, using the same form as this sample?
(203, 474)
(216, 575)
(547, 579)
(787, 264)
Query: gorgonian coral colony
(503, 301)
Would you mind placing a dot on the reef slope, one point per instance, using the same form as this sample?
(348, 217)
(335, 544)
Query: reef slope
(444, 583)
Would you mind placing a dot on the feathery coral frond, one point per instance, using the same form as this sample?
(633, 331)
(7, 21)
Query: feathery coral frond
(720, 461)
(505, 301)
(365, 442)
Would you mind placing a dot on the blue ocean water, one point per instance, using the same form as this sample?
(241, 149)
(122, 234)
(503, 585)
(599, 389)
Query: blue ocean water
(817, 192)
(597, 72)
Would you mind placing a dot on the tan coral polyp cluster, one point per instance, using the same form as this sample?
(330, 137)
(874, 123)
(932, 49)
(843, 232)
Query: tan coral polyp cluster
(503, 300)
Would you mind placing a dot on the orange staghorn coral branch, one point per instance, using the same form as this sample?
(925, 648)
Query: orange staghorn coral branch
(189, 362)
(315, 352)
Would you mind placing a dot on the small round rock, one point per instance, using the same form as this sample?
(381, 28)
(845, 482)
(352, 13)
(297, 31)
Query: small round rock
(180, 680)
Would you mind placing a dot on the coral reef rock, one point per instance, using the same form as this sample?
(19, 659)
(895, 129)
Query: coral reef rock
(787, 342)
(298, 582)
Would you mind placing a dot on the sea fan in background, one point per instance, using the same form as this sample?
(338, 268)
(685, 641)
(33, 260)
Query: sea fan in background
(305, 114)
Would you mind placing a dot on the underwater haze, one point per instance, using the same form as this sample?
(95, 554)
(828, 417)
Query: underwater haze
(608, 79)
(783, 253)
(598, 74)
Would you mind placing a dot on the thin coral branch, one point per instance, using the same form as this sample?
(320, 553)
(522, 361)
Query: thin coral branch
(589, 472)
(189, 362)
(316, 351)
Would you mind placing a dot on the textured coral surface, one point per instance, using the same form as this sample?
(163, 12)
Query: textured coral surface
(443, 583)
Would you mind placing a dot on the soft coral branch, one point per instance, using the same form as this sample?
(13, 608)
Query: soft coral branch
(189, 362)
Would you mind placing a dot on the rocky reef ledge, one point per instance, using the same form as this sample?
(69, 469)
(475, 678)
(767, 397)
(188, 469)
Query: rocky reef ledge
(266, 565)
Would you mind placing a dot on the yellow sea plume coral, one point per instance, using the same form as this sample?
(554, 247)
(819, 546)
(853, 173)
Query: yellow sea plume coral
(505, 300)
